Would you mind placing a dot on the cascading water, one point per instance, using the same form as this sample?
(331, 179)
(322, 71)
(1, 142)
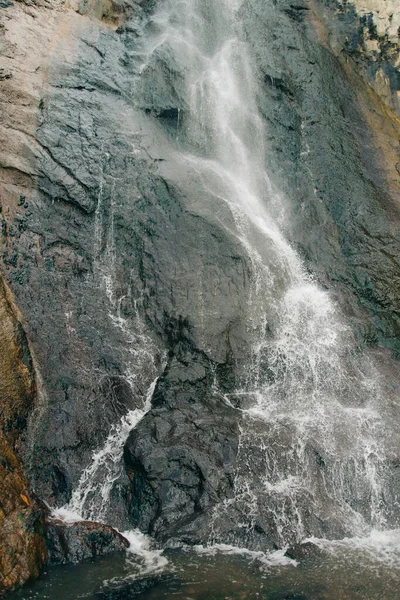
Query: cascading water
(90, 499)
(312, 451)
(312, 455)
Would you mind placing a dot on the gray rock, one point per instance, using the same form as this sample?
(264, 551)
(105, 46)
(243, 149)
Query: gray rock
(181, 458)
(81, 541)
(117, 253)
(307, 553)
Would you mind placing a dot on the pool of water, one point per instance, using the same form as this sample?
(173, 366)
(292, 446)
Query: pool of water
(366, 569)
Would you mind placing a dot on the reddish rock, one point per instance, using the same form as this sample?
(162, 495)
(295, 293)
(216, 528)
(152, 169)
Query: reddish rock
(80, 541)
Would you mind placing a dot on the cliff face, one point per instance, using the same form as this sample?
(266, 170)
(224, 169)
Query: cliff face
(23, 549)
(367, 31)
(123, 268)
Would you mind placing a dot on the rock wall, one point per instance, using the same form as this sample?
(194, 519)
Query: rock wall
(23, 549)
(367, 31)
(117, 257)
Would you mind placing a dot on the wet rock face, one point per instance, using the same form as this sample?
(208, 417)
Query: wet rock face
(81, 541)
(28, 540)
(181, 457)
(118, 255)
(106, 244)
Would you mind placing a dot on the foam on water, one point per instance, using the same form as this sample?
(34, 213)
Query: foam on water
(141, 547)
(378, 547)
(267, 559)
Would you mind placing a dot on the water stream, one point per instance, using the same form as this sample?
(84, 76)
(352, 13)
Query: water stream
(312, 457)
(314, 433)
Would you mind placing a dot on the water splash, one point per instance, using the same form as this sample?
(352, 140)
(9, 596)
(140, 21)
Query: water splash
(267, 559)
(382, 547)
(141, 546)
(312, 455)
(90, 500)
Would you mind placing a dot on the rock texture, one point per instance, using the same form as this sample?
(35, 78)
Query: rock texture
(81, 541)
(117, 255)
(367, 32)
(23, 549)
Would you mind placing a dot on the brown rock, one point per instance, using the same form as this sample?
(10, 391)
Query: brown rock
(80, 541)
(17, 383)
(23, 549)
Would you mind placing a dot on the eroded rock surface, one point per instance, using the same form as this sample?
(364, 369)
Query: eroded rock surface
(81, 541)
(118, 255)
(181, 457)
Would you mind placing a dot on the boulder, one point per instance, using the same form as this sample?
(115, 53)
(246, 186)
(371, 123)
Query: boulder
(180, 459)
(72, 543)
(307, 552)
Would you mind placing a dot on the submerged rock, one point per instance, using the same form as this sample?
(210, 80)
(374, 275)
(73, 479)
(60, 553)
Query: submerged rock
(290, 595)
(306, 552)
(126, 591)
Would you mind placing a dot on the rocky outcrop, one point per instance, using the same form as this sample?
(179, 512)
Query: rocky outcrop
(180, 463)
(118, 254)
(81, 541)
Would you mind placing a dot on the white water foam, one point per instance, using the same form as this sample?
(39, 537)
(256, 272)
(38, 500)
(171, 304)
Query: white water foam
(267, 559)
(378, 547)
(141, 546)
(312, 447)
(90, 499)
(147, 559)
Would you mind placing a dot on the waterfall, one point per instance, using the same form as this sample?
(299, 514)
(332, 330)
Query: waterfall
(312, 457)
(312, 446)
(90, 499)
